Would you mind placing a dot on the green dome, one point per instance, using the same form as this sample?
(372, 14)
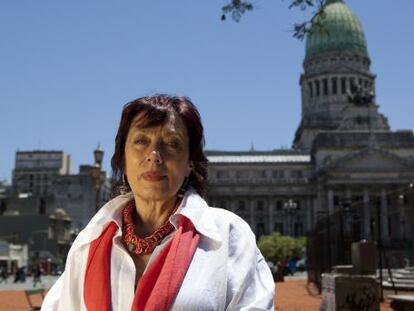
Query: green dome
(341, 32)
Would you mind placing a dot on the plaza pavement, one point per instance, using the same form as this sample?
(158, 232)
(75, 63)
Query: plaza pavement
(295, 294)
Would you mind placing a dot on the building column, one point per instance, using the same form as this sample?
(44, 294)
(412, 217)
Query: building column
(270, 203)
(309, 213)
(330, 201)
(384, 216)
(329, 78)
(252, 219)
(315, 208)
(348, 83)
(366, 221)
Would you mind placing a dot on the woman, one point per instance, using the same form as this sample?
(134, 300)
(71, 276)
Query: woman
(158, 245)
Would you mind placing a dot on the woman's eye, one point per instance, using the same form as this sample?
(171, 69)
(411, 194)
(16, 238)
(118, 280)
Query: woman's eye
(141, 141)
(173, 144)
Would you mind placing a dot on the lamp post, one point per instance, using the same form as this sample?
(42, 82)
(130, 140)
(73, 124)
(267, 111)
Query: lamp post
(96, 174)
(289, 206)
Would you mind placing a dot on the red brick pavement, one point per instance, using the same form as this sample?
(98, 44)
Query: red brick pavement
(298, 295)
(290, 296)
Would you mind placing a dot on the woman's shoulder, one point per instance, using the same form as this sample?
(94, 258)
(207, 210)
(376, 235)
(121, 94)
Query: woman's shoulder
(232, 222)
(224, 215)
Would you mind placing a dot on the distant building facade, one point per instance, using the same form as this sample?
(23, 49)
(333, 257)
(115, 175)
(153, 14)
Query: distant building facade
(35, 171)
(48, 206)
(13, 256)
(42, 182)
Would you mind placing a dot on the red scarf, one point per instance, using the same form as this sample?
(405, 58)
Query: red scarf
(158, 286)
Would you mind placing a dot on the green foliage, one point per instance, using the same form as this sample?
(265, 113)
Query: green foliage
(236, 9)
(276, 247)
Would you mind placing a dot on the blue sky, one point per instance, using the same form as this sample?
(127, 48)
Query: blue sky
(68, 67)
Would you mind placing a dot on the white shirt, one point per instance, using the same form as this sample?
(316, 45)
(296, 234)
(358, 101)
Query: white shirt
(227, 271)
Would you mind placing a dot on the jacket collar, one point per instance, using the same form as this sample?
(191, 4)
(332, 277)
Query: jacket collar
(193, 206)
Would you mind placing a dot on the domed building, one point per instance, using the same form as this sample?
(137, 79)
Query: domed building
(336, 61)
(345, 163)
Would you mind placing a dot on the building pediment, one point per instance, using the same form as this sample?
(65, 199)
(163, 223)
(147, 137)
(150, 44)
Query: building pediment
(369, 159)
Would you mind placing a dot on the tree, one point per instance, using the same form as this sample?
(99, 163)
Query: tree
(276, 247)
(236, 9)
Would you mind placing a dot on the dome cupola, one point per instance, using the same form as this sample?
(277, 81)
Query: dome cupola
(336, 30)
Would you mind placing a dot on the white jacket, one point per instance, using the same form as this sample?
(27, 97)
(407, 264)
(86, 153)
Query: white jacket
(227, 272)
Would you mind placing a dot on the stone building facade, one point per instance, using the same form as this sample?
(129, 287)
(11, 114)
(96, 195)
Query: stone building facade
(343, 149)
(35, 171)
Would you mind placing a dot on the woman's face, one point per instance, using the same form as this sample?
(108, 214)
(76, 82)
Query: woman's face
(157, 159)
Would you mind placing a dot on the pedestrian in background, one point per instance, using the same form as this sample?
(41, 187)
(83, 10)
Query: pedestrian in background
(3, 275)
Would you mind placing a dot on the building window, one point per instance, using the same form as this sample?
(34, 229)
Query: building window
(241, 206)
(360, 82)
(310, 90)
(317, 88)
(279, 205)
(278, 174)
(242, 174)
(222, 174)
(336, 200)
(260, 229)
(278, 227)
(298, 229)
(260, 205)
(334, 86)
(325, 86)
(372, 226)
(296, 174)
(343, 85)
(261, 174)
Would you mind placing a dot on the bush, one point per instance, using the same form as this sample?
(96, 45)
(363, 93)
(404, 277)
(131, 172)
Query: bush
(276, 247)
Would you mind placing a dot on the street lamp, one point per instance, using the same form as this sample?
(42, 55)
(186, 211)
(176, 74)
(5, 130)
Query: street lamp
(97, 173)
(289, 206)
(98, 155)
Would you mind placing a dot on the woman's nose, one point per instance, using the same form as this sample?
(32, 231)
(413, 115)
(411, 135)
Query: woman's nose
(154, 156)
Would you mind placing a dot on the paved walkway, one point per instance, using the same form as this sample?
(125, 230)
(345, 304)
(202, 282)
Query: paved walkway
(298, 295)
(293, 295)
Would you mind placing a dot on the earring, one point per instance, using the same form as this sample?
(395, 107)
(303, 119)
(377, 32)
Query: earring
(183, 188)
(123, 189)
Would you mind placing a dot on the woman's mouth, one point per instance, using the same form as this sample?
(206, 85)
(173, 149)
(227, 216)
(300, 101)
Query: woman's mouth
(153, 176)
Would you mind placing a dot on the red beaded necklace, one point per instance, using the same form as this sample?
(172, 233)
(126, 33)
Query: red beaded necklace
(141, 246)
